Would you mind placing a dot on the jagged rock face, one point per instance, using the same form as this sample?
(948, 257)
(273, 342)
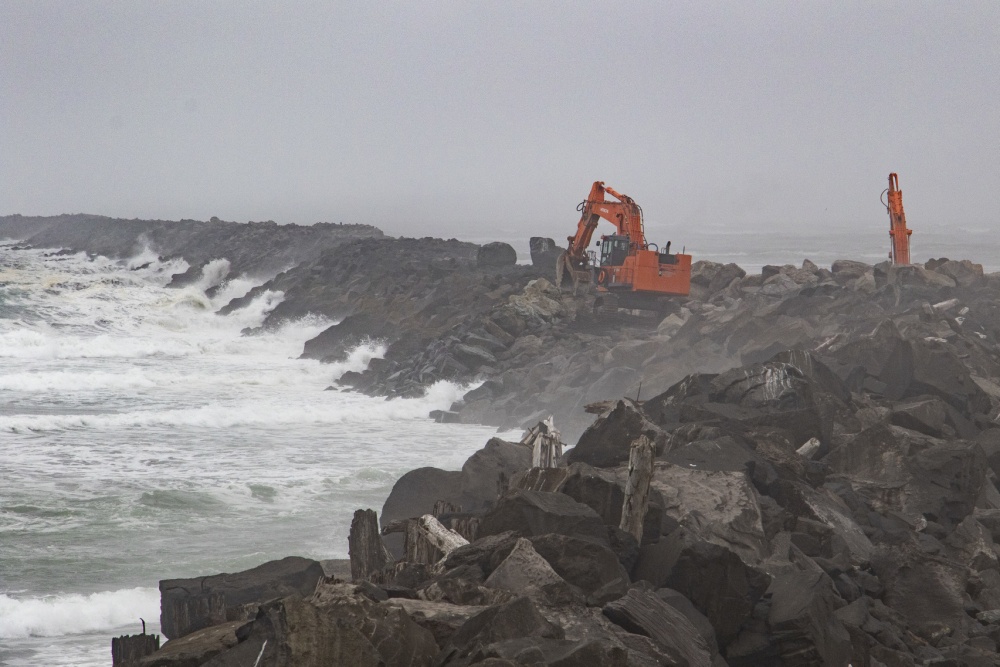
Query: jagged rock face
(531, 513)
(591, 567)
(336, 626)
(187, 605)
(196, 648)
(720, 507)
(544, 254)
(694, 567)
(609, 440)
(801, 621)
(643, 613)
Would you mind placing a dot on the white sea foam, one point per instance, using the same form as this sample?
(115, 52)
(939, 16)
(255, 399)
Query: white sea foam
(212, 274)
(145, 436)
(334, 409)
(58, 615)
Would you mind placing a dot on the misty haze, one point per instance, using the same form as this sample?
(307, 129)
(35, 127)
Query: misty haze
(499, 334)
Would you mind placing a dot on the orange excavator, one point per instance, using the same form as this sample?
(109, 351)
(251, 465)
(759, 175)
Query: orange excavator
(637, 271)
(899, 235)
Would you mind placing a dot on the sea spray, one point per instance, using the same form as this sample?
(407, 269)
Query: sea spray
(72, 614)
(146, 438)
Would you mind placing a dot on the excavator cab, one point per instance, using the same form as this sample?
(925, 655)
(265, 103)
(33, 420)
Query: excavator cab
(614, 250)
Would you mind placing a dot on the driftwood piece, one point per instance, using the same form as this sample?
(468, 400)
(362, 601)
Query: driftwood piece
(367, 552)
(640, 473)
(428, 541)
(545, 442)
(127, 650)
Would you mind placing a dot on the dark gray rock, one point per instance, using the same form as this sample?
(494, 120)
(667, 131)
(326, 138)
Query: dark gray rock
(694, 567)
(232, 597)
(544, 254)
(591, 567)
(517, 619)
(530, 513)
(414, 494)
(643, 613)
(496, 254)
(608, 442)
(487, 473)
(802, 622)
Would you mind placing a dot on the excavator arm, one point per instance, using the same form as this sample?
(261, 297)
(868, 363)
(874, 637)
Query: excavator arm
(898, 233)
(624, 214)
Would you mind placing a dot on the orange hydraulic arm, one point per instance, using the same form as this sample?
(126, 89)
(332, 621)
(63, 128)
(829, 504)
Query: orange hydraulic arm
(624, 214)
(898, 233)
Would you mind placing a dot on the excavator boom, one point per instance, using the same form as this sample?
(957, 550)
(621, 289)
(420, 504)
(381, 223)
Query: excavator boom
(899, 235)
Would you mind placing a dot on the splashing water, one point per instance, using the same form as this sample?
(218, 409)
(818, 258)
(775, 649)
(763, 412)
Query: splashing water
(145, 438)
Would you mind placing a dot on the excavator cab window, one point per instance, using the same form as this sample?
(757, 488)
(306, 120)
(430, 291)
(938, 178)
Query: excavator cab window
(614, 250)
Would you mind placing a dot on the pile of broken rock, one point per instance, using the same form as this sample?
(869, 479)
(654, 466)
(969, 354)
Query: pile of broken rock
(836, 506)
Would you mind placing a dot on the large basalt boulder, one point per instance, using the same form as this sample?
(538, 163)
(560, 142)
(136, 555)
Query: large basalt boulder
(591, 567)
(187, 605)
(487, 473)
(695, 568)
(826, 508)
(724, 276)
(544, 253)
(964, 272)
(903, 471)
(848, 268)
(885, 356)
(914, 275)
(928, 591)
(644, 613)
(336, 626)
(195, 648)
(517, 619)
(720, 507)
(608, 442)
(802, 623)
(926, 415)
(525, 572)
(939, 372)
(694, 617)
(530, 513)
(496, 255)
(601, 489)
(414, 494)
(539, 302)
(442, 619)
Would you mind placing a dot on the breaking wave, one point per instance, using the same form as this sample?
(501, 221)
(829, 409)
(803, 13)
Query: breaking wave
(58, 615)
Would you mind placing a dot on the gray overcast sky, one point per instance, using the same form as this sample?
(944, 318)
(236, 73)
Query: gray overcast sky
(479, 119)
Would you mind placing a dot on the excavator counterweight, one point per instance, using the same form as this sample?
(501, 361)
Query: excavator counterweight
(899, 235)
(628, 264)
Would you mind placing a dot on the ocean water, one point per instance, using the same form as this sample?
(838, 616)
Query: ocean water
(142, 437)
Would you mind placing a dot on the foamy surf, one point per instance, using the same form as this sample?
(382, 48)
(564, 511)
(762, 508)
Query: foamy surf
(146, 438)
(74, 614)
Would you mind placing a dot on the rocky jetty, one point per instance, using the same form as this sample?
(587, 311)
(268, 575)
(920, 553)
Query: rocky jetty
(830, 499)
(255, 248)
(796, 467)
(820, 507)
